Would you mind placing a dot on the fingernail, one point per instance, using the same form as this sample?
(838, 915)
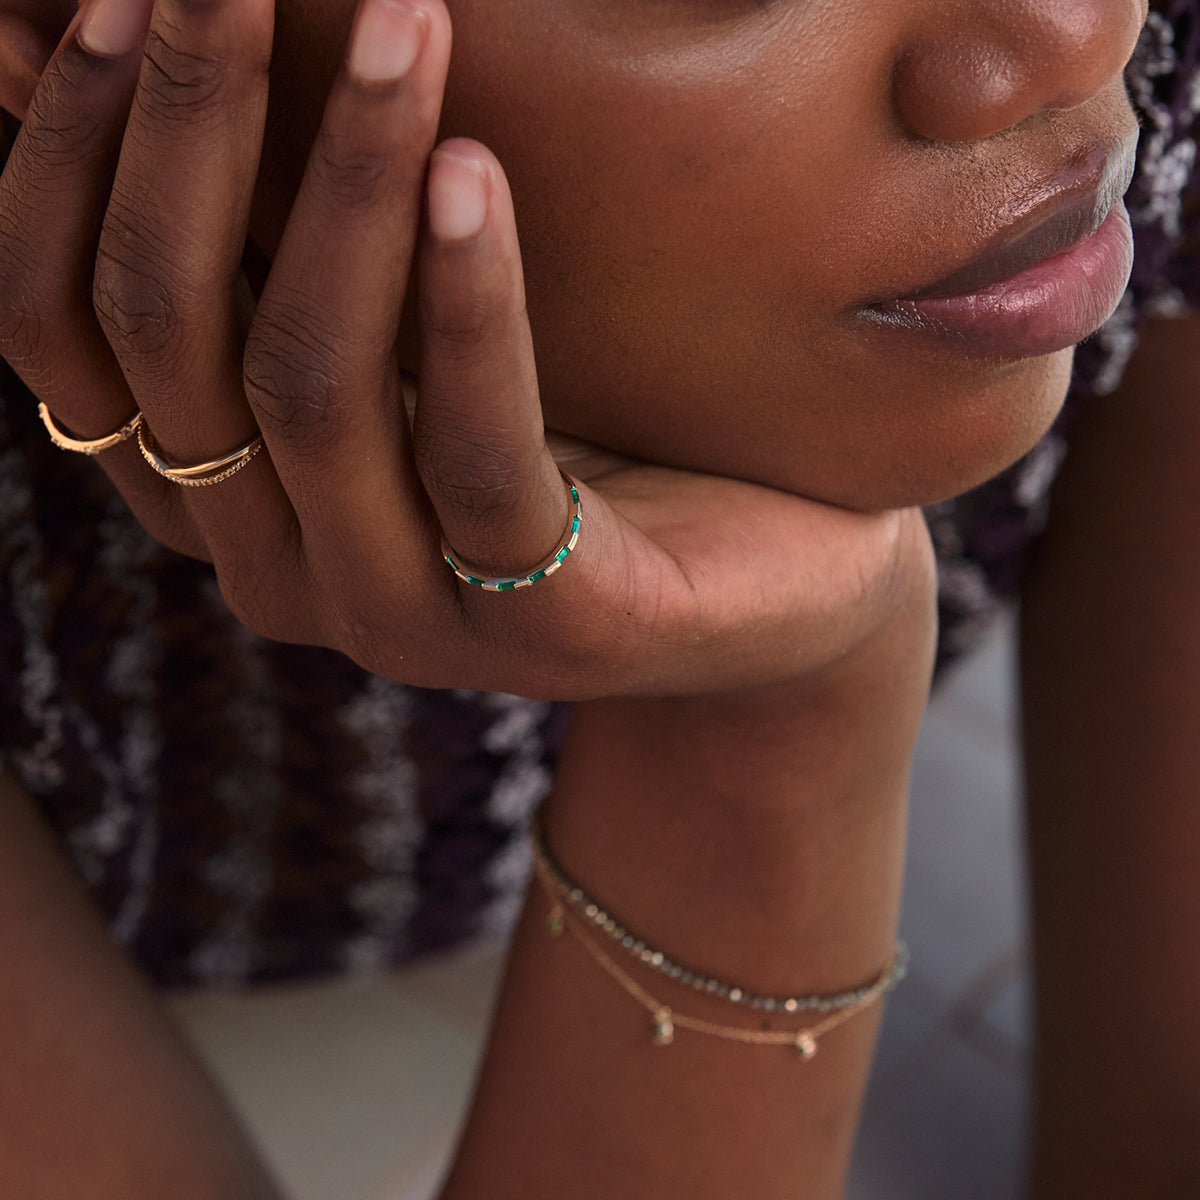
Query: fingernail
(111, 28)
(386, 41)
(458, 197)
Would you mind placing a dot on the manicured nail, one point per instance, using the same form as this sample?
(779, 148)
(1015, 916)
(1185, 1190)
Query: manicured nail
(386, 41)
(111, 28)
(458, 197)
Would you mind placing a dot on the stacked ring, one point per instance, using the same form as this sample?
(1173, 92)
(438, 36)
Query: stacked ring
(64, 441)
(547, 567)
(202, 474)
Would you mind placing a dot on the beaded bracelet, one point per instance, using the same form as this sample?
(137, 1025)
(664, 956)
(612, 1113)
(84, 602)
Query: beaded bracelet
(567, 889)
(561, 891)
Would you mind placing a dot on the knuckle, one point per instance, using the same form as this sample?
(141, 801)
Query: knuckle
(564, 666)
(293, 368)
(467, 471)
(417, 652)
(180, 85)
(59, 138)
(348, 176)
(22, 324)
(134, 302)
(460, 329)
(34, 321)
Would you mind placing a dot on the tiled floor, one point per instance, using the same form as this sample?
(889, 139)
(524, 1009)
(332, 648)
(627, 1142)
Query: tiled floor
(354, 1090)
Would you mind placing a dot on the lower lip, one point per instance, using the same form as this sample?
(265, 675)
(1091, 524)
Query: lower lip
(1047, 307)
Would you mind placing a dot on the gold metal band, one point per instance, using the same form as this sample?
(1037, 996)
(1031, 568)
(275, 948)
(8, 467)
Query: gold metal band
(64, 441)
(201, 474)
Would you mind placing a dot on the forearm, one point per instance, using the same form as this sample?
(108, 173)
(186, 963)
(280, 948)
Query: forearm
(1111, 671)
(99, 1097)
(756, 838)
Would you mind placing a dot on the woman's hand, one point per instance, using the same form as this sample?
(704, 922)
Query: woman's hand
(123, 218)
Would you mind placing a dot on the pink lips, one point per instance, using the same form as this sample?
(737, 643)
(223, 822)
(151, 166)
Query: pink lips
(1037, 292)
(1046, 307)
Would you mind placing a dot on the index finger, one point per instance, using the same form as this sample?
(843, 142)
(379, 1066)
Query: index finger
(320, 365)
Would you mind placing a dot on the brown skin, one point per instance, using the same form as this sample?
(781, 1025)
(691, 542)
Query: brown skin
(305, 550)
(1111, 635)
(100, 1098)
(742, 197)
(790, 638)
(796, 391)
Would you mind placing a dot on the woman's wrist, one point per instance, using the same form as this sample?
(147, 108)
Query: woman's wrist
(845, 729)
(694, 817)
(757, 837)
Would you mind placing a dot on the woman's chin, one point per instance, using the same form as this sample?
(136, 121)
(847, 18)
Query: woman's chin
(884, 439)
(949, 449)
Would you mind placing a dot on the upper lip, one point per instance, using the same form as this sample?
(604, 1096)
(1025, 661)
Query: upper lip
(1069, 210)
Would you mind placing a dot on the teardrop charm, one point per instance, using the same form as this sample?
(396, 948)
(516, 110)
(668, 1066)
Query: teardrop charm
(664, 1027)
(805, 1045)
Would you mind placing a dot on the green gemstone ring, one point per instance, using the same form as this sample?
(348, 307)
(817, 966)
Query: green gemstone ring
(512, 583)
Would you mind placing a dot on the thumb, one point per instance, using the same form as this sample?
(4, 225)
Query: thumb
(478, 437)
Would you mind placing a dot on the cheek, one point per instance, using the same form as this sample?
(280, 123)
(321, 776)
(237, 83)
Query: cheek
(651, 185)
(690, 248)
(667, 228)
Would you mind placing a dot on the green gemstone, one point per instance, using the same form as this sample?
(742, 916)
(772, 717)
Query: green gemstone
(506, 586)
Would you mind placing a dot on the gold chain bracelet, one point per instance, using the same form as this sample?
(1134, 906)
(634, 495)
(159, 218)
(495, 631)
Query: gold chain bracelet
(567, 900)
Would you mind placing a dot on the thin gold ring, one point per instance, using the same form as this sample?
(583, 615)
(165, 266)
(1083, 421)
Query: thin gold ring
(202, 474)
(64, 441)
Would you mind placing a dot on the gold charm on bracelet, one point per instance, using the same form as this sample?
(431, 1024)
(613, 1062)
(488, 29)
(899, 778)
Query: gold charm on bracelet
(565, 897)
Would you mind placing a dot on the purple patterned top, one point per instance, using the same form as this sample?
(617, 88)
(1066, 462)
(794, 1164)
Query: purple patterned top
(244, 811)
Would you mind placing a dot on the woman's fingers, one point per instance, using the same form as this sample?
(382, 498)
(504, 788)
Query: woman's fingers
(169, 264)
(320, 361)
(52, 198)
(53, 195)
(170, 292)
(479, 440)
(332, 534)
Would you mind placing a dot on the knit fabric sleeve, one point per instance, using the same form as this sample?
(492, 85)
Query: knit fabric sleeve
(1164, 83)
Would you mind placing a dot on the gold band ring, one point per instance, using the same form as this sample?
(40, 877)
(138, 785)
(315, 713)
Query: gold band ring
(64, 441)
(202, 474)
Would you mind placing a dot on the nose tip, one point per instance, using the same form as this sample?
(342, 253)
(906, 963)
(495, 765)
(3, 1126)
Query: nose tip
(999, 62)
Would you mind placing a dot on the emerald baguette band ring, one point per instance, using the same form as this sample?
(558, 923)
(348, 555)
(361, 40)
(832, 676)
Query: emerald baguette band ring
(513, 583)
